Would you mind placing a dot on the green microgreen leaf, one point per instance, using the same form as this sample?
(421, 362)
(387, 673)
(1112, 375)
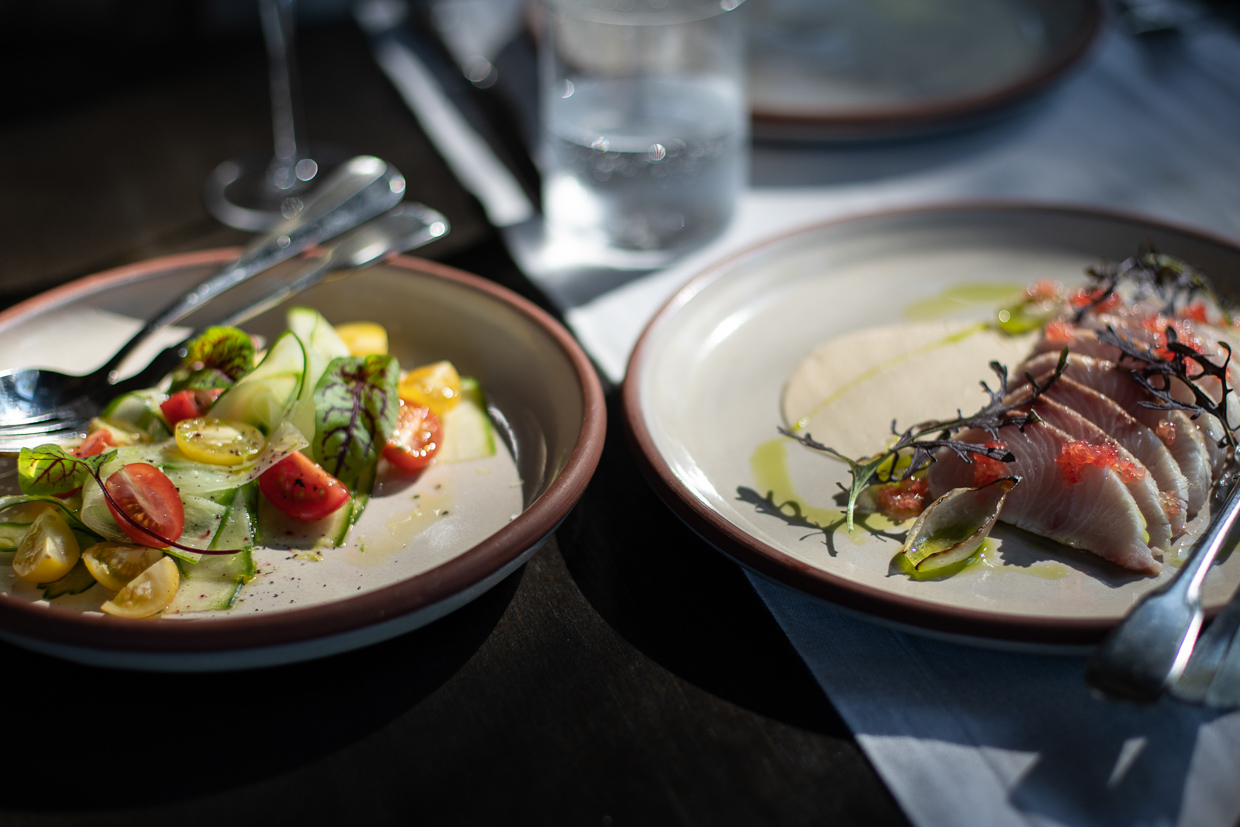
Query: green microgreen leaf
(216, 359)
(50, 470)
(356, 407)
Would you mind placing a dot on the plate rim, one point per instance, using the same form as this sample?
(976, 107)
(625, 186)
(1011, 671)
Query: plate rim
(877, 605)
(773, 123)
(216, 636)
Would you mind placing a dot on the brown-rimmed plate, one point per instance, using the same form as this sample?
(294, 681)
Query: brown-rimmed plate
(702, 403)
(890, 69)
(423, 547)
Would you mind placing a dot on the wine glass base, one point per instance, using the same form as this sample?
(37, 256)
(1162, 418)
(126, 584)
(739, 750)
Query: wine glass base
(239, 192)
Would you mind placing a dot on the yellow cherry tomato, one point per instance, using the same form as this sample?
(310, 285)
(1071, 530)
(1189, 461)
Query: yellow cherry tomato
(219, 441)
(364, 338)
(114, 565)
(149, 593)
(49, 549)
(437, 386)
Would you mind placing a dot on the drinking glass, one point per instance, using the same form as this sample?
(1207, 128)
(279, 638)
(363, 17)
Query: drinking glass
(256, 191)
(644, 125)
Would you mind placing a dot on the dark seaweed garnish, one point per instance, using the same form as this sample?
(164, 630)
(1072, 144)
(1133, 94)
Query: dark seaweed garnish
(1173, 283)
(915, 447)
(1176, 360)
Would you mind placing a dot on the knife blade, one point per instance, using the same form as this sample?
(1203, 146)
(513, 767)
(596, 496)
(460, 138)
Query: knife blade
(442, 100)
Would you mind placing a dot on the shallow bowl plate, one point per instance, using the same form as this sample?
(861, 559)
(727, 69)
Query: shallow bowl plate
(702, 404)
(423, 547)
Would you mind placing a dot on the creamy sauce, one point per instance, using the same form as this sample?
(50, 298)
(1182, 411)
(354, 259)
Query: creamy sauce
(845, 394)
(424, 508)
(847, 391)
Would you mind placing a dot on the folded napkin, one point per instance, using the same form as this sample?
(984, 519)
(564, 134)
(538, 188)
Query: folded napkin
(965, 735)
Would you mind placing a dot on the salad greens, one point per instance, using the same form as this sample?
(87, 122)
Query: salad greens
(216, 359)
(52, 470)
(222, 456)
(355, 404)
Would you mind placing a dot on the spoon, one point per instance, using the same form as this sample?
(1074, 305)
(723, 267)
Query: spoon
(400, 229)
(358, 191)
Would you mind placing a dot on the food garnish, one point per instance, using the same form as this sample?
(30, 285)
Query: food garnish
(1121, 417)
(954, 526)
(180, 482)
(915, 447)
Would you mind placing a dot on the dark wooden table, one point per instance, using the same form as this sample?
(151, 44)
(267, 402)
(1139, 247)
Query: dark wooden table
(628, 674)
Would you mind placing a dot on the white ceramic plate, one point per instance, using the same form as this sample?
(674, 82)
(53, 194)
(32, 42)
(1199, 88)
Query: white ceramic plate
(702, 404)
(890, 68)
(422, 548)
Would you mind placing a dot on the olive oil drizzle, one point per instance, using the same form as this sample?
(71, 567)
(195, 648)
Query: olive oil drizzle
(878, 369)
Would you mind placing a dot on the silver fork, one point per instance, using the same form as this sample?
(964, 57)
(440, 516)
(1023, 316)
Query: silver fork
(1149, 650)
(1212, 676)
(363, 188)
(400, 229)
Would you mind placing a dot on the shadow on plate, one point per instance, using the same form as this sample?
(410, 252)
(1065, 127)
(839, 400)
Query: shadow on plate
(679, 601)
(221, 730)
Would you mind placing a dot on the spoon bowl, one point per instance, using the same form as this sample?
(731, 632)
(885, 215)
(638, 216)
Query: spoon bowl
(363, 188)
(401, 229)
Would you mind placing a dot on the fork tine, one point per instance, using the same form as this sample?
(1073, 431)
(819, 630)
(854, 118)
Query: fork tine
(92, 402)
(68, 430)
(54, 420)
(14, 425)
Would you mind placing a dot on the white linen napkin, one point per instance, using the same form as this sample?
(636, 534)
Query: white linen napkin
(964, 735)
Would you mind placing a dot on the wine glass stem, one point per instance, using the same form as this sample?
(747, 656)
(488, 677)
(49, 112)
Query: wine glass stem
(287, 128)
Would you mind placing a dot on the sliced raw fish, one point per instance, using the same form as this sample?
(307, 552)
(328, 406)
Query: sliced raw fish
(1096, 514)
(1083, 340)
(1140, 483)
(1205, 340)
(1136, 438)
(1174, 428)
(1079, 340)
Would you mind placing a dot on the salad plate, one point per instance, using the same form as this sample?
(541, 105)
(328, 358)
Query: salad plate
(703, 393)
(890, 69)
(425, 545)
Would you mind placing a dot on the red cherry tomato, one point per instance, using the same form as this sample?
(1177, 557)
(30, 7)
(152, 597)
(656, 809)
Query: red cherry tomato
(148, 498)
(95, 444)
(416, 440)
(188, 404)
(301, 489)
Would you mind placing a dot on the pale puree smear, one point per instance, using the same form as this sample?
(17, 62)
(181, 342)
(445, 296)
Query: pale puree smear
(1105, 435)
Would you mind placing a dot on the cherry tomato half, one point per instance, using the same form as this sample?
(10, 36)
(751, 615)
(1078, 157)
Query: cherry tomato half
(301, 489)
(149, 500)
(218, 441)
(96, 443)
(188, 404)
(416, 440)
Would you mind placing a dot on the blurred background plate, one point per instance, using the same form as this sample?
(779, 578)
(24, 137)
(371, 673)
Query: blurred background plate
(423, 547)
(873, 69)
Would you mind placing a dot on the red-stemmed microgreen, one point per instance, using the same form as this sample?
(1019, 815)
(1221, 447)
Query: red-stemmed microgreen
(50, 470)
